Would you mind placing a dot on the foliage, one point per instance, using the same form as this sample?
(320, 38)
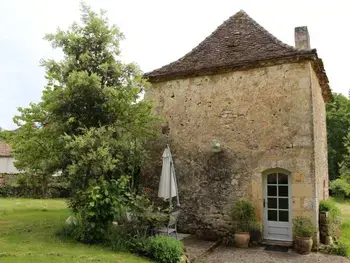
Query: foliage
(5, 134)
(243, 215)
(131, 232)
(96, 208)
(340, 187)
(338, 123)
(133, 236)
(344, 234)
(130, 237)
(90, 123)
(337, 248)
(334, 214)
(329, 206)
(303, 227)
(165, 249)
(20, 186)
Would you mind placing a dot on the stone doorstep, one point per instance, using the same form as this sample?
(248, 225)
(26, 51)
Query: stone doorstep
(267, 242)
(196, 248)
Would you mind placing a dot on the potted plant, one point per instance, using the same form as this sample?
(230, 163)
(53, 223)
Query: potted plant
(244, 217)
(303, 230)
(255, 233)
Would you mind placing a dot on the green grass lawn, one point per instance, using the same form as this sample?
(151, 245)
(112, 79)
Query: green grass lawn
(344, 207)
(27, 234)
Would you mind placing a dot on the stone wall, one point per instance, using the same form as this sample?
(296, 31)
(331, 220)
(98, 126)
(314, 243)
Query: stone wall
(320, 138)
(261, 117)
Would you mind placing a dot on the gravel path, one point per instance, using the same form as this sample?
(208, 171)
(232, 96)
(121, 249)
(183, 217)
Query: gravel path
(259, 255)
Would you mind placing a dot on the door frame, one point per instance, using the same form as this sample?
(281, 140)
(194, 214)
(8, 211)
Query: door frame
(290, 201)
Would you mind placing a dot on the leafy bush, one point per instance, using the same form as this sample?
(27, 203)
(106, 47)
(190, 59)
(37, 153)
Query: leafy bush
(340, 187)
(96, 208)
(334, 216)
(337, 248)
(129, 236)
(165, 250)
(243, 215)
(329, 206)
(24, 185)
(303, 227)
(5, 191)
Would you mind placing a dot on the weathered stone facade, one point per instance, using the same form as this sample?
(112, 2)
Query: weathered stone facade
(262, 117)
(264, 103)
(320, 138)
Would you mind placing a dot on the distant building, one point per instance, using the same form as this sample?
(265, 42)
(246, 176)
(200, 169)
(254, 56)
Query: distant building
(6, 160)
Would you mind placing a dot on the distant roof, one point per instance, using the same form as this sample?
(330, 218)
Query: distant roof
(5, 149)
(240, 42)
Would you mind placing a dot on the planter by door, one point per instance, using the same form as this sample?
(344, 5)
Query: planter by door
(242, 239)
(303, 245)
(277, 205)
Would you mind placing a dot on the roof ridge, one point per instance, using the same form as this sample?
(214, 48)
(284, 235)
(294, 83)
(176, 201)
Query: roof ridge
(250, 20)
(273, 38)
(216, 50)
(193, 50)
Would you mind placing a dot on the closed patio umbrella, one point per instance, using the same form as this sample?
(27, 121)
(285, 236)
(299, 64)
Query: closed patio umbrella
(168, 183)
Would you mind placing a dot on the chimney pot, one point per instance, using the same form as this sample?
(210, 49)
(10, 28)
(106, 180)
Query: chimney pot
(302, 38)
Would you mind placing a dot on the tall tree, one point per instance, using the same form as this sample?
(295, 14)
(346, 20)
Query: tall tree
(90, 123)
(338, 123)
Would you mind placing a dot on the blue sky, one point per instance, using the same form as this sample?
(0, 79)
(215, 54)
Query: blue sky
(157, 32)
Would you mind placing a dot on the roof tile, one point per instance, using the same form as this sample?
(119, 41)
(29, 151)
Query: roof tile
(239, 41)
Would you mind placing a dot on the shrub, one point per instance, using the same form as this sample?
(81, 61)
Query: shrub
(337, 248)
(165, 250)
(243, 215)
(96, 208)
(24, 185)
(303, 227)
(334, 216)
(340, 187)
(5, 191)
(129, 237)
(329, 206)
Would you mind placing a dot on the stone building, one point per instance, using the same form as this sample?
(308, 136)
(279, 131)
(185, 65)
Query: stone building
(263, 102)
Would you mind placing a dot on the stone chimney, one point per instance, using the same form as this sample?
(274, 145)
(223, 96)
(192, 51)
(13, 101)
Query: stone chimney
(302, 38)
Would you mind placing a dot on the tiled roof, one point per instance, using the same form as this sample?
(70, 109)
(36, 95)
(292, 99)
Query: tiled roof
(5, 149)
(239, 42)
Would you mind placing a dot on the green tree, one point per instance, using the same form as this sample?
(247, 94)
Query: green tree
(90, 123)
(338, 123)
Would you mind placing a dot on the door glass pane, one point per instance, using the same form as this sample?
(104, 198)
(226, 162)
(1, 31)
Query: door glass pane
(282, 179)
(272, 202)
(283, 216)
(272, 215)
(271, 190)
(283, 190)
(272, 179)
(283, 203)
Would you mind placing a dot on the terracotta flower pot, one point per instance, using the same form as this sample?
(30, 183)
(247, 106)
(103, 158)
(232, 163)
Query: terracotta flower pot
(303, 245)
(242, 239)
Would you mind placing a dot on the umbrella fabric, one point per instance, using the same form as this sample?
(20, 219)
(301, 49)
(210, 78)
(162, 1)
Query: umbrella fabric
(167, 185)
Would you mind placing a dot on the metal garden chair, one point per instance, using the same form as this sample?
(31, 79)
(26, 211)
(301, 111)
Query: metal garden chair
(172, 225)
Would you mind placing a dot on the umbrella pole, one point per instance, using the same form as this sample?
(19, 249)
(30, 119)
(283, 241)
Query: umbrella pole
(177, 190)
(170, 195)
